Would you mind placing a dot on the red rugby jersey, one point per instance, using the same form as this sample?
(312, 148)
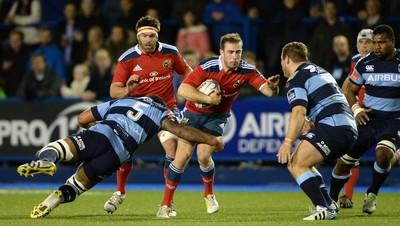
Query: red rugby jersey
(361, 92)
(155, 70)
(230, 84)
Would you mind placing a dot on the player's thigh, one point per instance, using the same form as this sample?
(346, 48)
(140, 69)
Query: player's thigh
(306, 155)
(184, 152)
(102, 166)
(331, 141)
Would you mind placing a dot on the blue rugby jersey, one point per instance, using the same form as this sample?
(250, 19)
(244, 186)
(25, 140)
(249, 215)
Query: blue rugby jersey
(129, 122)
(315, 89)
(381, 79)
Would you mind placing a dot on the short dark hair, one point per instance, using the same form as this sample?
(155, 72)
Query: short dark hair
(231, 38)
(158, 99)
(383, 28)
(148, 21)
(296, 51)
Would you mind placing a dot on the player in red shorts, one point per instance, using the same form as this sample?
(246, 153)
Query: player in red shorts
(143, 70)
(231, 72)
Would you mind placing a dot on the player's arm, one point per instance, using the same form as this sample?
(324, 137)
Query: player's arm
(121, 90)
(271, 87)
(190, 93)
(360, 113)
(86, 119)
(296, 122)
(192, 134)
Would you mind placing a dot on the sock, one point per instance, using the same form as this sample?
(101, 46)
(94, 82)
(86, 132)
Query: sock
(379, 176)
(172, 180)
(310, 185)
(167, 161)
(207, 174)
(49, 154)
(337, 183)
(322, 187)
(351, 183)
(122, 176)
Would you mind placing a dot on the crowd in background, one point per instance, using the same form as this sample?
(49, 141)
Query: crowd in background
(74, 55)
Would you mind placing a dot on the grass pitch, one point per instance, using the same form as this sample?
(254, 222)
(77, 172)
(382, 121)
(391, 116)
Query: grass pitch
(236, 208)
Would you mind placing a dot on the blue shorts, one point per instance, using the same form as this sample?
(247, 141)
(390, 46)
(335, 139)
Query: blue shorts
(375, 131)
(331, 142)
(210, 123)
(96, 153)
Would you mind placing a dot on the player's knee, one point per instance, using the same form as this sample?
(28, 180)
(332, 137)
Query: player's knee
(165, 135)
(76, 184)
(346, 161)
(62, 147)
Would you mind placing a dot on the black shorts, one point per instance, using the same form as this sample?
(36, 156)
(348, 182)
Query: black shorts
(98, 156)
(331, 142)
(375, 131)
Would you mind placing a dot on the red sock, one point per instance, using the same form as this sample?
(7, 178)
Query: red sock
(208, 185)
(122, 176)
(351, 183)
(170, 188)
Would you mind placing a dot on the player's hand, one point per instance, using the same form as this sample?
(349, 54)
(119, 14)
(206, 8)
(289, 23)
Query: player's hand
(284, 153)
(362, 117)
(273, 82)
(307, 127)
(218, 144)
(215, 98)
(132, 83)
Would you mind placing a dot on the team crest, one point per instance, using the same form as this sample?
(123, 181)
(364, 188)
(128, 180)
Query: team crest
(167, 64)
(237, 83)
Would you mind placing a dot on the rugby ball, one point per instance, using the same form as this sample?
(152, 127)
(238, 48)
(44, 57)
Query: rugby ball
(208, 87)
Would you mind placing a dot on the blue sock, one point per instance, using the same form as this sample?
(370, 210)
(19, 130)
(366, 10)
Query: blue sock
(310, 186)
(49, 154)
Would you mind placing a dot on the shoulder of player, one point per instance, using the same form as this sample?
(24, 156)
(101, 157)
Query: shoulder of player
(210, 64)
(165, 48)
(356, 57)
(129, 54)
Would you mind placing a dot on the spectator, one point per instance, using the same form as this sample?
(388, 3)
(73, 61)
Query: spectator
(181, 6)
(15, 58)
(81, 78)
(129, 13)
(342, 60)
(100, 78)
(4, 8)
(23, 14)
(39, 82)
(117, 43)
(53, 54)
(70, 39)
(94, 41)
(89, 15)
(373, 16)
(193, 34)
(219, 14)
(321, 40)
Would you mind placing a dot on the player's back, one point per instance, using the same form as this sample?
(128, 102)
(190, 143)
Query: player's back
(316, 89)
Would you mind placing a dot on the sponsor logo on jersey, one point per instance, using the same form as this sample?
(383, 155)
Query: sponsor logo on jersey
(137, 68)
(291, 95)
(153, 73)
(310, 135)
(369, 68)
(167, 63)
(237, 83)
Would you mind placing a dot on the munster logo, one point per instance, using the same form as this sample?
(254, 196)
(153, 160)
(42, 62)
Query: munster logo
(167, 63)
(237, 83)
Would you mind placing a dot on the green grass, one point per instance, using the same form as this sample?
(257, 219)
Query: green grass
(236, 208)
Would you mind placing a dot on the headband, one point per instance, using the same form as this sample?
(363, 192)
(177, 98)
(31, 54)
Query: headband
(147, 29)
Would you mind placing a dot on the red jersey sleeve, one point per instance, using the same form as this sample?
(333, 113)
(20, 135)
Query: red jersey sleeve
(196, 77)
(122, 73)
(257, 79)
(180, 65)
